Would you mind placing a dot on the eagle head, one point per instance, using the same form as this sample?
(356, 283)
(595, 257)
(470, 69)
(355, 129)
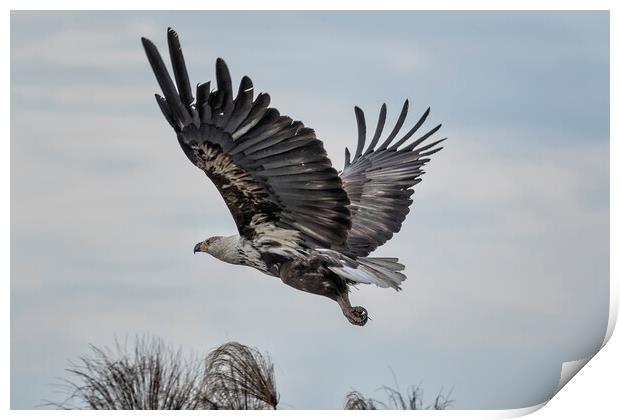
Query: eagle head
(206, 244)
(224, 248)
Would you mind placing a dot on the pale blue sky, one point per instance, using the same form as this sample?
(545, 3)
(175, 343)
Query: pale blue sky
(507, 246)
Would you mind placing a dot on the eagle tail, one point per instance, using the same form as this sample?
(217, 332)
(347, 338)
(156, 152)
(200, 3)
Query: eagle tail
(381, 271)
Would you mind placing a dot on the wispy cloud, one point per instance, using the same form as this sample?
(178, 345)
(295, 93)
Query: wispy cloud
(83, 46)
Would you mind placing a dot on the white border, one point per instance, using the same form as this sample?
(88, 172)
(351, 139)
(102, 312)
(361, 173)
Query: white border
(312, 5)
(592, 393)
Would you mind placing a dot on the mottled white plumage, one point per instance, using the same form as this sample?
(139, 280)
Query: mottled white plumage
(236, 250)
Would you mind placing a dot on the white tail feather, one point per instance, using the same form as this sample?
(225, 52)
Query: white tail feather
(383, 272)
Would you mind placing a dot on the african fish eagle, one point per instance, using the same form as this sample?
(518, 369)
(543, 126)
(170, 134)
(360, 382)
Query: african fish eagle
(297, 217)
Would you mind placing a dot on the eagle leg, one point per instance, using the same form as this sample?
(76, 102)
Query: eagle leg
(309, 277)
(357, 315)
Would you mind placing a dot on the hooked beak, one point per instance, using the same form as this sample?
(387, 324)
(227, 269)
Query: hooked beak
(197, 248)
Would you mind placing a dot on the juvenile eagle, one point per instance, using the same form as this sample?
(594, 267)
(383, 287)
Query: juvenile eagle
(298, 218)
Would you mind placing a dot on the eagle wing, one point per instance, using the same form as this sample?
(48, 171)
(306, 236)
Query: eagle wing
(270, 170)
(379, 181)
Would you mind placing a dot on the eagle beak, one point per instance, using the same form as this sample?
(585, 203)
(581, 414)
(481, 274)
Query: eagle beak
(197, 248)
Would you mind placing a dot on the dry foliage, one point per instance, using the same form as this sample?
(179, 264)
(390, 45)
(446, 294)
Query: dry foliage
(240, 378)
(154, 377)
(397, 400)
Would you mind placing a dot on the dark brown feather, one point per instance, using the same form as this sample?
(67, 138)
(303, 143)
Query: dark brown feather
(379, 183)
(246, 148)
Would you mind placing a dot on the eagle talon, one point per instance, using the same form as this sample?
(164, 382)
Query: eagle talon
(357, 316)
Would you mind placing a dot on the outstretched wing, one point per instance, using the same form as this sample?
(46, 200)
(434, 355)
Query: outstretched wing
(271, 171)
(379, 181)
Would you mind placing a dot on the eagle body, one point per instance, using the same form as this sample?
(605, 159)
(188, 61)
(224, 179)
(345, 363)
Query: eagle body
(297, 217)
(293, 268)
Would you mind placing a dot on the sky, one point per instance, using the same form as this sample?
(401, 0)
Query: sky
(506, 247)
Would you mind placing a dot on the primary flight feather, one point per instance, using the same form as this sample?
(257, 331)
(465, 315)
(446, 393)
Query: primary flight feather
(297, 218)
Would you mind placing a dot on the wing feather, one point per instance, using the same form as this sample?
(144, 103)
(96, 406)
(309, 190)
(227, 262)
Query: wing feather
(379, 182)
(361, 131)
(397, 127)
(242, 106)
(179, 69)
(173, 99)
(270, 170)
(378, 130)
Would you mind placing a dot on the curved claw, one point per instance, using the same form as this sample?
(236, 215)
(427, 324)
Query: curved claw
(357, 316)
